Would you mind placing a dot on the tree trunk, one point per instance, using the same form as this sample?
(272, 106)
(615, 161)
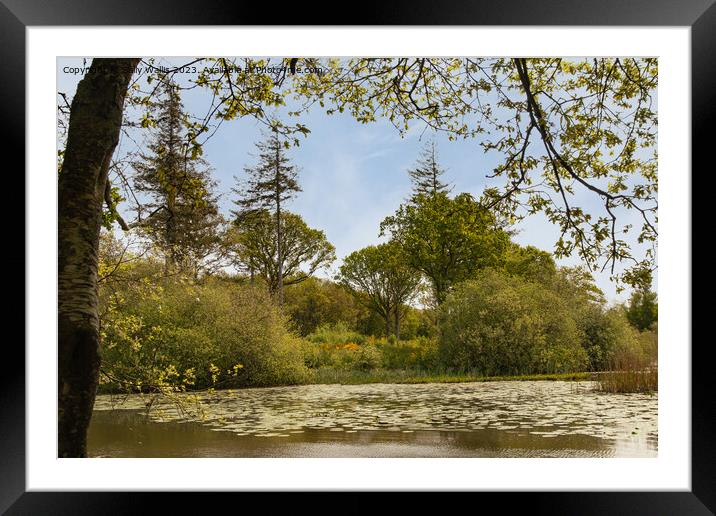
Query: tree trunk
(95, 122)
(279, 235)
(397, 322)
(170, 258)
(279, 238)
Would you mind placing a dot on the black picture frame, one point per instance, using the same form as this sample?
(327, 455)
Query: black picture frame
(699, 15)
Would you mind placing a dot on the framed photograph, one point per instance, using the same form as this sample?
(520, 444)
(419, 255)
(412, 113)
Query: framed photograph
(417, 250)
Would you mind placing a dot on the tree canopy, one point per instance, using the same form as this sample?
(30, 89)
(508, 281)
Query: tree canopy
(569, 130)
(380, 278)
(181, 212)
(304, 250)
(447, 239)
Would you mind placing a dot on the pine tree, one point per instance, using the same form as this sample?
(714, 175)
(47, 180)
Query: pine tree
(271, 182)
(183, 212)
(426, 174)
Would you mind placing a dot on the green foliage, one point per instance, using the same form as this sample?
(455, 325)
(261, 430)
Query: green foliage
(648, 342)
(417, 322)
(172, 335)
(505, 326)
(559, 126)
(336, 334)
(271, 181)
(304, 250)
(448, 240)
(643, 309)
(576, 286)
(348, 356)
(316, 302)
(181, 214)
(379, 278)
(415, 354)
(604, 333)
(633, 364)
(530, 264)
(426, 174)
(339, 347)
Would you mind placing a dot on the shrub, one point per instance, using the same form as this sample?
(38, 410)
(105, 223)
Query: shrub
(501, 325)
(633, 365)
(603, 332)
(418, 353)
(417, 323)
(649, 344)
(181, 335)
(338, 333)
(347, 356)
(365, 358)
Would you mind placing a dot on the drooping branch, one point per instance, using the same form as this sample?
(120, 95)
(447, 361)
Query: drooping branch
(559, 162)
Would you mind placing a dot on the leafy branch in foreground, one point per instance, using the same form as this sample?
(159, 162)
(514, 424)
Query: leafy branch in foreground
(577, 138)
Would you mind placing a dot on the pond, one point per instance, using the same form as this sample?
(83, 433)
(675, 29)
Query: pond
(490, 419)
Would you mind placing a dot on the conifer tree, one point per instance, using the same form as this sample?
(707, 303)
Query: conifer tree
(271, 182)
(183, 212)
(426, 174)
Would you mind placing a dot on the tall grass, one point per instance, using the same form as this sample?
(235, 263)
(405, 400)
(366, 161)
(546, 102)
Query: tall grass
(629, 381)
(633, 368)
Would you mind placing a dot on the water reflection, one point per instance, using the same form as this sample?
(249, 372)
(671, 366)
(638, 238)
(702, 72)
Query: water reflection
(497, 419)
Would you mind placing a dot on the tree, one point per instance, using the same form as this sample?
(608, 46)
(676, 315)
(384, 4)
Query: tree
(303, 251)
(576, 284)
(446, 239)
(379, 278)
(184, 216)
(426, 174)
(95, 120)
(272, 182)
(530, 263)
(643, 309)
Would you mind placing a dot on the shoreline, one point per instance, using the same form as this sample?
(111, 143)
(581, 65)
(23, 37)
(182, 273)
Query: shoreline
(398, 377)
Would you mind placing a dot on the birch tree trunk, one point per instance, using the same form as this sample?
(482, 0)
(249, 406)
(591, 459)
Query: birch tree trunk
(95, 122)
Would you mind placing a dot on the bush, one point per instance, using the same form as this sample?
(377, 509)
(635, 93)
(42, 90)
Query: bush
(604, 332)
(348, 356)
(419, 353)
(649, 343)
(501, 325)
(178, 335)
(417, 323)
(338, 333)
(633, 364)
(337, 346)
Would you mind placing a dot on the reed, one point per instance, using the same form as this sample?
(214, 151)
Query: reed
(630, 372)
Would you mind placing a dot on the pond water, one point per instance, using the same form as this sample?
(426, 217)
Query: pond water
(491, 419)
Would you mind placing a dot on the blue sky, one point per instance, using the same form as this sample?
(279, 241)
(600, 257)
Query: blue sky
(352, 175)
